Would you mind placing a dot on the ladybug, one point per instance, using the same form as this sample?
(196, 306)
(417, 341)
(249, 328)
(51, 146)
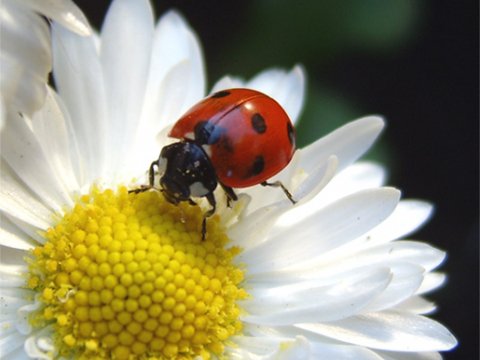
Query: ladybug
(236, 138)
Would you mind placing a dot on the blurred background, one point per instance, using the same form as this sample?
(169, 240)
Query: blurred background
(414, 62)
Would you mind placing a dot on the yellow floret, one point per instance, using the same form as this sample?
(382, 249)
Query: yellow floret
(127, 276)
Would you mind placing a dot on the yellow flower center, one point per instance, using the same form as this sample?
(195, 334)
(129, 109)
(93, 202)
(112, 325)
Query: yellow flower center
(127, 276)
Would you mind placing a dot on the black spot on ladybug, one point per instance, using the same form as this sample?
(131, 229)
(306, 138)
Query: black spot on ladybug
(291, 133)
(207, 133)
(220, 94)
(258, 165)
(258, 123)
(226, 144)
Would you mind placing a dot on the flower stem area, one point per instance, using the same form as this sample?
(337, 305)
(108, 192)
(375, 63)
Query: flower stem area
(126, 275)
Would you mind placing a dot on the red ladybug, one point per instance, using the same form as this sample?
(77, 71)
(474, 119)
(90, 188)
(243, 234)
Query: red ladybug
(236, 138)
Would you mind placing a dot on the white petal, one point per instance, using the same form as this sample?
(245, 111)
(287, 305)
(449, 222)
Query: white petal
(406, 279)
(360, 176)
(309, 302)
(49, 123)
(228, 82)
(322, 347)
(262, 196)
(40, 345)
(297, 349)
(303, 186)
(19, 293)
(348, 143)
(147, 147)
(314, 160)
(3, 112)
(10, 343)
(12, 257)
(18, 202)
(388, 330)
(18, 354)
(176, 81)
(174, 43)
(272, 346)
(264, 348)
(11, 236)
(23, 152)
(12, 276)
(431, 282)
(251, 230)
(342, 352)
(413, 252)
(25, 58)
(79, 80)
(310, 185)
(356, 177)
(406, 261)
(64, 12)
(316, 180)
(287, 89)
(13, 270)
(9, 307)
(31, 231)
(308, 189)
(387, 355)
(407, 217)
(331, 227)
(24, 312)
(126, 42)
(10, 304)
(13, 317)
(417, 305)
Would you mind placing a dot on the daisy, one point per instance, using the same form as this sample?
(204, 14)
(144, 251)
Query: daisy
(92, 271)
(25, 54)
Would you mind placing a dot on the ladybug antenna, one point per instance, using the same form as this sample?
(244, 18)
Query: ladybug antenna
(151, 180)
(151, 172)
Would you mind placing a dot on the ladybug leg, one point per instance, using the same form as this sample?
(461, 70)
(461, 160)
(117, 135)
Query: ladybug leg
(231, 196)
(280, 185)
(151, 179)
(211, 199)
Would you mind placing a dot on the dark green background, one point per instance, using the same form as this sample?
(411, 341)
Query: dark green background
(413, 61)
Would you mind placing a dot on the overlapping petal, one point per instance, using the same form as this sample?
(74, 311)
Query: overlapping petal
(331, 227)
(65, 12)
(25, 55)
(388, 330)
(25, 58)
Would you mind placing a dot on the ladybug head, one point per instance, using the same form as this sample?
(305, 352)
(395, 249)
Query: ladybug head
(185, 171)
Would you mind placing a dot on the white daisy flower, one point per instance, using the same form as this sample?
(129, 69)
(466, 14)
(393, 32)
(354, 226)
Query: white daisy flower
(91, 271)
(25, 55)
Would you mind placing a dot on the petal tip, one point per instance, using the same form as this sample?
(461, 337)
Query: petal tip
(175, 18)
(392, 192)
(376, 121)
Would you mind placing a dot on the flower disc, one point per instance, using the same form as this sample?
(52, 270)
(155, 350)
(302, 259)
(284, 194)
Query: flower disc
(127, 274)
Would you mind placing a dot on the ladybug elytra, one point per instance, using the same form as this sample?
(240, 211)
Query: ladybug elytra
(236, 138)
